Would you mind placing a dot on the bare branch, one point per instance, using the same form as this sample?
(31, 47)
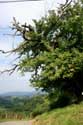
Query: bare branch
(23, 29)
(67, 3)
(5, 52)
(10, 71)
(64, 6)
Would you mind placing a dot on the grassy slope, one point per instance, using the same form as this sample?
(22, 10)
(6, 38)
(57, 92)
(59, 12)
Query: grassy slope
(71, 115)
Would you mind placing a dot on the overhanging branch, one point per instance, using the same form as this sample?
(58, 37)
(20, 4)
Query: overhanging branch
(10, 71)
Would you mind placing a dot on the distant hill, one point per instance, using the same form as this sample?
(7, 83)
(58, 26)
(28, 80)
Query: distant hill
(18, 94)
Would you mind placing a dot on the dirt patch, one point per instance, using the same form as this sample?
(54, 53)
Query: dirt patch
(17, 123)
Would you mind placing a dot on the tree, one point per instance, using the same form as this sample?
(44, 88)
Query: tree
(53, 50)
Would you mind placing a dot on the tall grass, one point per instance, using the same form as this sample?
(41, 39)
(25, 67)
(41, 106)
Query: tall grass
(70, 115)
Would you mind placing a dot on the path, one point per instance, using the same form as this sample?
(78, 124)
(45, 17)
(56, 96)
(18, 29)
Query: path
(16, 123)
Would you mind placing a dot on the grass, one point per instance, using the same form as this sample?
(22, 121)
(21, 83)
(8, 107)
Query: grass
(7, 120)
(70, 115)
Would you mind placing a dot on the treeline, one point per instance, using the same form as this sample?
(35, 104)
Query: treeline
(23, 107)
(11, 115)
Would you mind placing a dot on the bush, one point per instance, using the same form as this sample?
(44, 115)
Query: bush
(61, 101)
(35, 113)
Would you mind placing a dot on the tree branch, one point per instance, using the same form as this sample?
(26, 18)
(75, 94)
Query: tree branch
(10, 71)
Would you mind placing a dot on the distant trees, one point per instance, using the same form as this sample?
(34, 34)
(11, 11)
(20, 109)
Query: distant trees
(23, 107)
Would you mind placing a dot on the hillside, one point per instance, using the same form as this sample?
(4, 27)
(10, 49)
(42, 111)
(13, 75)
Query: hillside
(18, 94)
(22, 107)
(71, 115)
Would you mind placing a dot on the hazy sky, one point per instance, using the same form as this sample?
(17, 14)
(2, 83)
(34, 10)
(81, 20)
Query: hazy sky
(24, 12)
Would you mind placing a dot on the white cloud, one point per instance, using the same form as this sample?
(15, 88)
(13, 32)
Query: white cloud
(14, 82)
(24, 12)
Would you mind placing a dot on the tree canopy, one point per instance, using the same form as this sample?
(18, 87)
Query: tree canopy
(52, 49)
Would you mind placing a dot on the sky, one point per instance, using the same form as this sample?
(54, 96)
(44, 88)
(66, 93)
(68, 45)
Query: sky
(23, 12)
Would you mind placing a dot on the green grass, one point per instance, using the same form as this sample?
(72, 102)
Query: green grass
(70, 115)
(7, 120)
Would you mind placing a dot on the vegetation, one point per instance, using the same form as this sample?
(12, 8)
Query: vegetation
(52, 50)
(22, 107)
(71, 115)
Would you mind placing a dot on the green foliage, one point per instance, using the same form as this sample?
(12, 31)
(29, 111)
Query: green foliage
(23, 107)
(53, 50)
(61, 101)
(70, 115)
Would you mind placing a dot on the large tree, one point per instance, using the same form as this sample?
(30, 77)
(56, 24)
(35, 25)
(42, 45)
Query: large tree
(52, 50)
